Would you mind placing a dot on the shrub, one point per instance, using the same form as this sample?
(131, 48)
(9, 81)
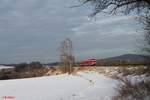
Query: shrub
(4, 77)
(20, 67)
(28, 67)
(35, 65)
(129, 91)
(66, 69)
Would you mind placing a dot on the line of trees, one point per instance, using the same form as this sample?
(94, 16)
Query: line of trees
(28, 67)
(24, 70)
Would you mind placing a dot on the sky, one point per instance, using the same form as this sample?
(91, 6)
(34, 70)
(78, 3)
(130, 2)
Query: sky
(31, 30)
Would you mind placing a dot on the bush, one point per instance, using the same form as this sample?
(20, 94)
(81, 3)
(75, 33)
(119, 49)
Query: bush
(28, 67)
(129, 91)
(66, 69)
(20, 67)
(4, 77)
(35, 65)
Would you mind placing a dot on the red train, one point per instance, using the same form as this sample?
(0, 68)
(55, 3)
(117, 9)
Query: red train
(89, 62)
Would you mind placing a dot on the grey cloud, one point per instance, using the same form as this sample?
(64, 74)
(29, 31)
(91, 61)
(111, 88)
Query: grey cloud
(32, 30)
(107, 37)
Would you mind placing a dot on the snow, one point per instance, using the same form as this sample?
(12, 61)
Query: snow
(83, 86)
(5, 67)
(134, 79)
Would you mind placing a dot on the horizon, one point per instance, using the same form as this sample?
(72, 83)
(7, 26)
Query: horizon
(75, 61)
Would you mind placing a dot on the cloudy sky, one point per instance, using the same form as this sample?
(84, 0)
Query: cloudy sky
(31, 30)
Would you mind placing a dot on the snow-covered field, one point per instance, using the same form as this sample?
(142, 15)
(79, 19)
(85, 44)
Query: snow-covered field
(5, 67)
(83, 86)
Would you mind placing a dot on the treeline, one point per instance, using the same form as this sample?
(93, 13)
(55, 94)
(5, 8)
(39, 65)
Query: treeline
(28, 67)
(23, 70)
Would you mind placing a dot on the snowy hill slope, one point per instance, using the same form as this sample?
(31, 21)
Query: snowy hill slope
(84, 86)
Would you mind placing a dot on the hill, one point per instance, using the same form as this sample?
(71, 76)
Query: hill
(129, 57)
(126, 59)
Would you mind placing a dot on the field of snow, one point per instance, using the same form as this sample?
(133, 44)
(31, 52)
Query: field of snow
(5, 67)
(83, 86)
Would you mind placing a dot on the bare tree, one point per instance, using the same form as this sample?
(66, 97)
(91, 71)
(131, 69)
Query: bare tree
(66, 55)
(125, 6)
(146, 22)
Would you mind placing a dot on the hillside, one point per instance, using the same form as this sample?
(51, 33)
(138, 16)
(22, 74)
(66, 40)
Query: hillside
(129, 57)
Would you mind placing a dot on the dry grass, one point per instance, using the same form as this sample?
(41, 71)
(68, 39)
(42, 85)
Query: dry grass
(129, 91)
(137, 91)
